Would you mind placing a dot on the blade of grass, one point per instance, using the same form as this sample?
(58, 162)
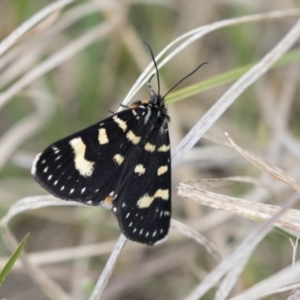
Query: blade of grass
(5, 271)
(225, 77)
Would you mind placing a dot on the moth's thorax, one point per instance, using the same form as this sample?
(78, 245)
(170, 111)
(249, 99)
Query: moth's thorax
(155, 109)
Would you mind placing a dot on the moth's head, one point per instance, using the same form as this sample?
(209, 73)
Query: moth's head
(156, 100)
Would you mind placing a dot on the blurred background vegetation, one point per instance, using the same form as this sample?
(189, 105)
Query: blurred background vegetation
(79, 91)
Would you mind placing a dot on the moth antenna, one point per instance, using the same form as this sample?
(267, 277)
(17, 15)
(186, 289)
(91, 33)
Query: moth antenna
(184, 78)
(157, 73)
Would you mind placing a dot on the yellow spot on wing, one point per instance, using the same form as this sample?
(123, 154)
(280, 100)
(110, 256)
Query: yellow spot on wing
(118, 158)
(82, 165)
(122, 124)
(102, 136)
(132, 137)
(140, 169)
(163, 148)
(161, 170)
(164, 194)
(149, 147)
(146, 200)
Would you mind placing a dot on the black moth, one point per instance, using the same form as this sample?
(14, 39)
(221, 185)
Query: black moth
(123, 161)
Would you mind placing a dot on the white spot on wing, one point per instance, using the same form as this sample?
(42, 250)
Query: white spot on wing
(82, 165)
(55, 149)
(102, 136)
(72, 190)
(114, 209)
(82, 191)
(139, 169)
(56, 181)
(127, 216)
(149, 147)
(130, 224)
(62, 188)
(132, 137)
(58, 157)
(118, 158)
(164, 148)
(49, 177)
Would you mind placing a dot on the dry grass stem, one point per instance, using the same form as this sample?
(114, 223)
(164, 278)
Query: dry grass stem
(30, 23)
(196, 236)
(295, 295)
(212, 115)
(27, 127)
(132, 278)
(23, 51)
(58, 58)
(196, 34)
(105, 275)
(267, 167)
(240, 207)
(26, 55)
(51, 257)
(284, 280)
(241, 253)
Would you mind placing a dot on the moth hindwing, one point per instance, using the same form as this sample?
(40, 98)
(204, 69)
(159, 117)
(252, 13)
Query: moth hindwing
(124, 161)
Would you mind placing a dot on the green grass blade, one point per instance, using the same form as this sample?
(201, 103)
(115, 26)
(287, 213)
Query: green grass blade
(5, 271)
(225, 78)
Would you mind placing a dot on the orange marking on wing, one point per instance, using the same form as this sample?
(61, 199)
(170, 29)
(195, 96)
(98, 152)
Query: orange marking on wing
(133, 105)
(109, 200)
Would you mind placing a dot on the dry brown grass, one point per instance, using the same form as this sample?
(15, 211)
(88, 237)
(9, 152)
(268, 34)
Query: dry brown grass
(233, 235)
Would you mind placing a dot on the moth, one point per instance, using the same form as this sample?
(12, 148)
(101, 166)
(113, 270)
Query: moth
(123, 161)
